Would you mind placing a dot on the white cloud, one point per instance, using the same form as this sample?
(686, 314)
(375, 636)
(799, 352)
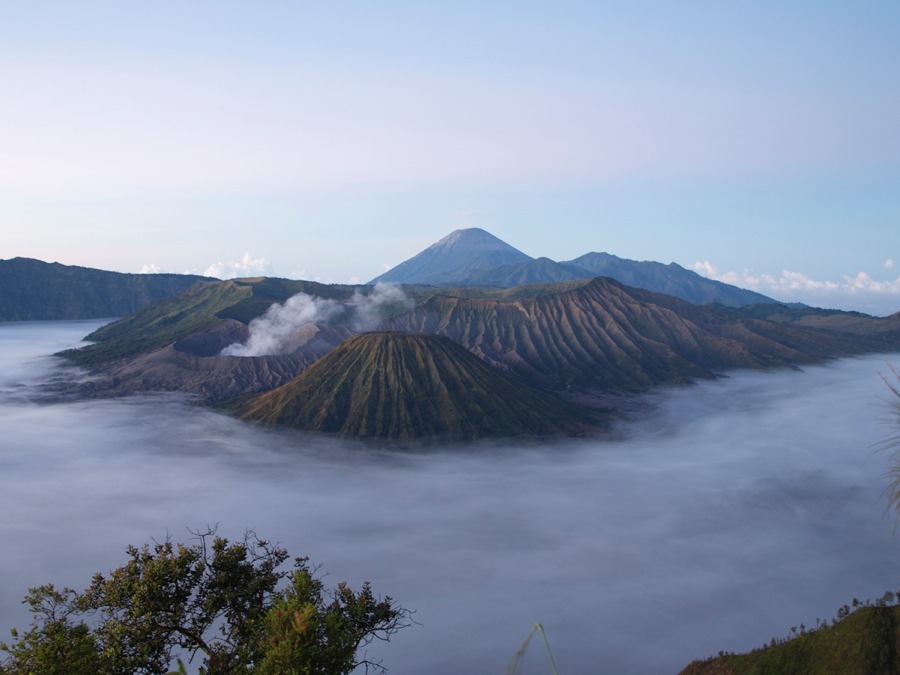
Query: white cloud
(247, 266)
(152, 268)
(862, 290)
(889, 263)
(797, 281)
(706, 269)
(863, 282)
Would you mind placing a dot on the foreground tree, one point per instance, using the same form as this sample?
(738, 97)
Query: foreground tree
(215, 599)
(891, 444)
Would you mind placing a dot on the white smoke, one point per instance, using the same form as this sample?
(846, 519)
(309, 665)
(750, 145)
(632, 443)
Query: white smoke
(272, 332)
(384, 300)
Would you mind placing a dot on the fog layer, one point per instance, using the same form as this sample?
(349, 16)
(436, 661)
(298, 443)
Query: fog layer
(733, 511)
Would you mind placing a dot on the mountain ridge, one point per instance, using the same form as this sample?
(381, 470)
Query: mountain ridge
(605, 335)
(474, 257)
(34, 290)
(595, 335)
(582, 342)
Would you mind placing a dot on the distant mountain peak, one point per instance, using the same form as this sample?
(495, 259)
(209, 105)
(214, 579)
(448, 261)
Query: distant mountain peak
(473, 237)
(475, 257)
(457, 256)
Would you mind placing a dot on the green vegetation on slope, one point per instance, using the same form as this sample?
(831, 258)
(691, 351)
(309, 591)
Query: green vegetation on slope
(865, 642)
(200, 308)
(265, 291)
(399, 386)
(175, 318)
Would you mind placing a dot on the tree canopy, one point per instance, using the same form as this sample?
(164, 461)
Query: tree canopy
(229, 604)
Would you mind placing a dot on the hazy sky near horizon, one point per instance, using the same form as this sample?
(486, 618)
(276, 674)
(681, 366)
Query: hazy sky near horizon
(757, 142)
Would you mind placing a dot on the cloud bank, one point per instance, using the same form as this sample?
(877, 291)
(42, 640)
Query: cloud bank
(798, 287)
(248, 266)
(738, 508)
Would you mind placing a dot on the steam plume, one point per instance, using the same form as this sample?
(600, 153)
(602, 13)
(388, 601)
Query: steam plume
(271, 333)
(384, 300)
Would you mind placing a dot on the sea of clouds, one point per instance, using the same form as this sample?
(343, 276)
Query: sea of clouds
(729, 512)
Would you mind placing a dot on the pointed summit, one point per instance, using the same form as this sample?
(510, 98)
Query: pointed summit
(454, 258)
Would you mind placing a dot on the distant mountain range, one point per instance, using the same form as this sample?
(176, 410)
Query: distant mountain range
(36, 290)
(473, 257)
(480, 340)
(32, 290)
(581, 343)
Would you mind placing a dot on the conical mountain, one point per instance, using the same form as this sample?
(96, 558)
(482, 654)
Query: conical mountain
(401, 386)
(455, 257)
(536, 271)
(473, 257)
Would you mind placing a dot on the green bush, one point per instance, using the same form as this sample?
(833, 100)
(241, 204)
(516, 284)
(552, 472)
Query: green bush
(215, 599)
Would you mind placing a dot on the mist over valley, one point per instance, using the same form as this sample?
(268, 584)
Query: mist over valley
(734, 509)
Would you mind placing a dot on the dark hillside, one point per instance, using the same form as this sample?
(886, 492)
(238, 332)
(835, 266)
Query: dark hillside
(867, 642)
(32, 290)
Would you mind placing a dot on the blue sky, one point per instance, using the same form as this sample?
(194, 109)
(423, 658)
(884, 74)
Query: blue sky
(754, 142)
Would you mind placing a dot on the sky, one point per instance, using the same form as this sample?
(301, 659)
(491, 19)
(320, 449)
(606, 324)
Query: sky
(756, 143)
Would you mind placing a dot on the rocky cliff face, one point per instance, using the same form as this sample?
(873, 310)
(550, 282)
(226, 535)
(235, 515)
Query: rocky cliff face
(605, 335)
